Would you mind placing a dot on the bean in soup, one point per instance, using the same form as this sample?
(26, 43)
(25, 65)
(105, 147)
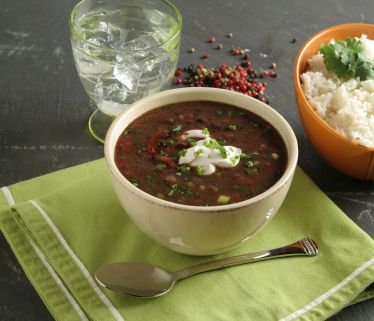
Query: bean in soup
(201, 153)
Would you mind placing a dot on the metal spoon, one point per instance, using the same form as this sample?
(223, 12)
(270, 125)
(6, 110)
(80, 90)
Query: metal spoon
(147, 280)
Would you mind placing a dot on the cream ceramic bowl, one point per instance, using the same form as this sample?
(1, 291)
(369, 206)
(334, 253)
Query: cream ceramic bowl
(200, 230)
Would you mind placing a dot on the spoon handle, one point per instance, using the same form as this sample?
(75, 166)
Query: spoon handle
(305, 246)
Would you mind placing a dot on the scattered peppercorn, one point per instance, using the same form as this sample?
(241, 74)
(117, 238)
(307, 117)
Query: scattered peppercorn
(293, 40)
(240, 78)
(178, 72)
(272, 74)
(235, 52)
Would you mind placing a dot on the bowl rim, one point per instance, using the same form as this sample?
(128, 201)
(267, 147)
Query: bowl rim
(112, 137)
(300, 92)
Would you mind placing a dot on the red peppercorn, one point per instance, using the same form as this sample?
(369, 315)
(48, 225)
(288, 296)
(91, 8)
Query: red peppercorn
(199, 66)
(265, 73)
(205, 56)
(179, 81)
(217, 83)
(178, 72)
(212, 40)
(223, 67)
(272, 74)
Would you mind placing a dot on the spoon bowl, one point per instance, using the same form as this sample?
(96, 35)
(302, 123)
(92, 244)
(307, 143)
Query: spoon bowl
(136, 278)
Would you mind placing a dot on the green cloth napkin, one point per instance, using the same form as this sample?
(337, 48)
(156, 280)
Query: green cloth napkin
(65, 225)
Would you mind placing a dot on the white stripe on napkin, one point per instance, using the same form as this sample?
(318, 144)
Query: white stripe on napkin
(78, 262)
(327, 294)
(8, 196)
(55, 277)
(38, 252)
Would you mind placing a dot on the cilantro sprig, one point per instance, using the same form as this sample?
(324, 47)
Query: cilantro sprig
(346, 59)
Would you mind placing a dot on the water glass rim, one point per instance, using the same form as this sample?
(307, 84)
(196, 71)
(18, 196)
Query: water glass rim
(172, 37)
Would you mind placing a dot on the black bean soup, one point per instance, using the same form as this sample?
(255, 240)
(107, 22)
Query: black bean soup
(201, 153)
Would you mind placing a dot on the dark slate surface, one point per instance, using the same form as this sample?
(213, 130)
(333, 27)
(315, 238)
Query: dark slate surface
(44, 110)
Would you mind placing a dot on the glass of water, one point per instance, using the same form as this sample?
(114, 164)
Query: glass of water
(123, 50)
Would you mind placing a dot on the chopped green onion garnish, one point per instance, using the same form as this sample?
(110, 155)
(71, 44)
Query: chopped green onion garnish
(218, 112)
(183, 152)
(159, 167)
(205, 131)
(250, 164)
(200, 170)
(231, 127)
(177, 129)
(223, 151)
(183, 168)
(233, 159)
(198, 153)
(213, 144)
(192, 141)
(223, 199)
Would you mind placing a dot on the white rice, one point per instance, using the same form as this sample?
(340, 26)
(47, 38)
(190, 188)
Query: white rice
(346, 106)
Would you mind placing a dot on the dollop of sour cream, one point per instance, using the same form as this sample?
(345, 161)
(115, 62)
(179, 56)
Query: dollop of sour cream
(207, 153)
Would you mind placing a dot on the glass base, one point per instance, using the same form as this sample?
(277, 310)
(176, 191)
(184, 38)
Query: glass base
(98, 125)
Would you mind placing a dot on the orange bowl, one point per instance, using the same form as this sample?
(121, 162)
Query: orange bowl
(342, 153)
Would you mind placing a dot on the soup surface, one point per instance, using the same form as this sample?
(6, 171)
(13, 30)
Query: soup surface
(201, 153)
